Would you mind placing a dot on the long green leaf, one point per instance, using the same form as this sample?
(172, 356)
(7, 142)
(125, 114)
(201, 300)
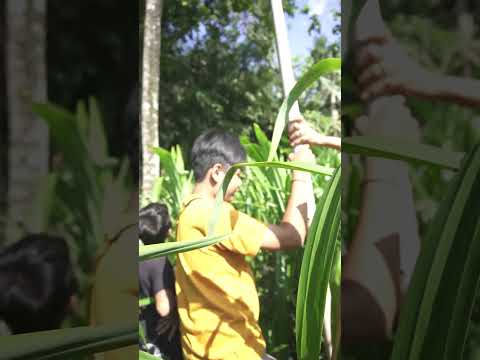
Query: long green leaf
(393, 148)
(147, 252)
(316, 271)
(321, 68)
(64, 130)
(335, 286)
(65, 343)
(441, 293)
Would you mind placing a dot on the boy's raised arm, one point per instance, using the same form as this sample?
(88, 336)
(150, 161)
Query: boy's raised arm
(385, 68)
(291, 231)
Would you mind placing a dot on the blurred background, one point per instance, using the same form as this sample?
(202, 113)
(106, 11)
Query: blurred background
(67, 73)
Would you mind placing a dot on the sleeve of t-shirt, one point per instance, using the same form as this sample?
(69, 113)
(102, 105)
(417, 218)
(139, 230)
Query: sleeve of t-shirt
(247, 233)
(156, 276)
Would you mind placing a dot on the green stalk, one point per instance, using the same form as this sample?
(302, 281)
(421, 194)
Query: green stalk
(395, 149)
(65, 343)
(439, 302)
(147, 252)
(316, 270)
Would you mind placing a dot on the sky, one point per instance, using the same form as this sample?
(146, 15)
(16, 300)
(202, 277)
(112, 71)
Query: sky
(299, 40)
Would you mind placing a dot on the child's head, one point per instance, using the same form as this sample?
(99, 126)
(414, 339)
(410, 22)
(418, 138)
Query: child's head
(37, 283)
(213, 153)
(153, 223)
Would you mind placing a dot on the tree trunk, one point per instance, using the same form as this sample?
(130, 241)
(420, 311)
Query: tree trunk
(26, 83)
(150, 96)
(3, 122)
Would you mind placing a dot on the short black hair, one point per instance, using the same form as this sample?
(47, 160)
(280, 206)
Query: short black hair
(153, 223)
(36, 283)
(212, 147)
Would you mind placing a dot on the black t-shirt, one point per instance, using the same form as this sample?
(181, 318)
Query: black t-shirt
(155, 275)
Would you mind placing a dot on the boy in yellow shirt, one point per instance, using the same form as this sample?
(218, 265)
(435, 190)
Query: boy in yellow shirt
(217, 299)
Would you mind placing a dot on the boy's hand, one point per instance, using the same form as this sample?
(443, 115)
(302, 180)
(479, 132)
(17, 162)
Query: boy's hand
(384, 68)
(168, 325)
(300, 132)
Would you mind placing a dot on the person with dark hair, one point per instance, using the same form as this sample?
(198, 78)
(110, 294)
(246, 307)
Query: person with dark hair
(157, 281)
(37, 284)
(217, 299)
(215, 147)
(154, 223)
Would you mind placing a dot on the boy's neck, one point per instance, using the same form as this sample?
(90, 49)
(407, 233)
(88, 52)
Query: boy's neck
(204, 190)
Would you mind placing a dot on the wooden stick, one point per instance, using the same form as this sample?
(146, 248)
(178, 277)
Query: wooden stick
(288, 80)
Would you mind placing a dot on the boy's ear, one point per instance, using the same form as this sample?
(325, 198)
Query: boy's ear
(218, 173)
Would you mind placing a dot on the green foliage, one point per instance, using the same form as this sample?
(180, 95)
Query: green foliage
(147, 252)
(442, 292)
(317, 264)
(264, 196)
(219, 69)
(392, 148)
(217, 64)
(87, 192)
(176, 181)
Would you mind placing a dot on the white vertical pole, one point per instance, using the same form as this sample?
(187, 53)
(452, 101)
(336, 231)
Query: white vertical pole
(288, 81)
(283, 51)
(370, 24)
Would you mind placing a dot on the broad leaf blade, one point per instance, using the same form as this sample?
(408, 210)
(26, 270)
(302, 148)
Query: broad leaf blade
(147, 252)
(65, 343)
(316, 270)
(440, 274)
(395, 149)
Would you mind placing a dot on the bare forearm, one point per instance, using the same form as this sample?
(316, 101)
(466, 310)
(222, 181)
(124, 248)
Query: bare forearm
(332, 142)
(295, 216)
(386, 235)
(164, 302)
(462, 91)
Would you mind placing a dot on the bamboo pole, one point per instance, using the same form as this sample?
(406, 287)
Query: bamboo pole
(288, 81)
(370, 24)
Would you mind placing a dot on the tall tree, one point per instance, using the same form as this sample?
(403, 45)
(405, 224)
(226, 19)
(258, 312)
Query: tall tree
(150, 96)
(28, 141)
(3, 121)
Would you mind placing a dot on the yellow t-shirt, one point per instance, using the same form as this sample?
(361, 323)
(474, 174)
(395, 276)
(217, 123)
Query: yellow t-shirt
(217, 298)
